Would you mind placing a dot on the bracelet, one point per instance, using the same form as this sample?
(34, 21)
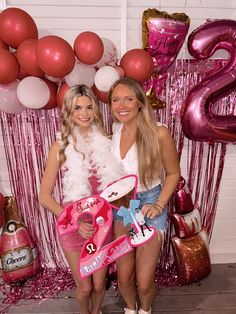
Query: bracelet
(160, 208)
(162, 204)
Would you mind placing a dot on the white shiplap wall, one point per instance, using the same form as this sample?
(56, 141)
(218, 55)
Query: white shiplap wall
(120, 21)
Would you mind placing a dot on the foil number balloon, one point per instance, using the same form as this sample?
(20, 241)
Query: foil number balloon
(199, 121)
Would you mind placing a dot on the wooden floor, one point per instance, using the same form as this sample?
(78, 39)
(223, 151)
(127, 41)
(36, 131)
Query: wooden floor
(215, 295)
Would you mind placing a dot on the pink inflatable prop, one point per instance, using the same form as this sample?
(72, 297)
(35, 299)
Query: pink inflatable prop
(200, 122)
(18, 252)
(94, 255)
(163, 35)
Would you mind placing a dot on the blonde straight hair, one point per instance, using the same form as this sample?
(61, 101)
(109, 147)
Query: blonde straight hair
(147, 135)
(68, 126)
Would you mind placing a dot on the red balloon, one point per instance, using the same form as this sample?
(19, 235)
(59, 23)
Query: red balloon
(55, 56)
(103, 96)
(61, 94)
(88, 47)
(3, 45)
(2, 203)
(26, 56)
(52, 103)
(199, 120)
(183, 198)
(16, 25)
(22, 74)
(137, 64)
(9, 67)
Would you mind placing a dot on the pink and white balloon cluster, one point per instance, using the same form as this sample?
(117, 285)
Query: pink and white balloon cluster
(36, 72)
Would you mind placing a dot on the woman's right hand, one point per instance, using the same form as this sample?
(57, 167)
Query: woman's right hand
(86, 230)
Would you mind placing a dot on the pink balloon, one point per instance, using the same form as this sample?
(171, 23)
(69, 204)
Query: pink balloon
(22, 74)
(88, 47)
(120, 71)
(109, 55)
(16, 25)
(61, 94)
(55, 56)
(163, 37)
(9, 67)
(52, 102)
(199, 121)
(103, 96)
(26, 56)
(9, 101)
(137, 64)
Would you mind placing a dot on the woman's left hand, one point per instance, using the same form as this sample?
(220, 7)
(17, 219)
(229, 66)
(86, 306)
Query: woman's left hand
(151, 211)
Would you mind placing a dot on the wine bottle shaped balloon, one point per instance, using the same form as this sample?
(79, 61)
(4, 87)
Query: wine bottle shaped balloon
(18, 252)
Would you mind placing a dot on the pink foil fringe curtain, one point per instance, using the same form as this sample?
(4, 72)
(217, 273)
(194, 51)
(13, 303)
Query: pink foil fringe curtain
(27, 137)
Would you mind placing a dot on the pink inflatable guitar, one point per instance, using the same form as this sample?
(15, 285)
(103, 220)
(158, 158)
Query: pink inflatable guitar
(94, 255)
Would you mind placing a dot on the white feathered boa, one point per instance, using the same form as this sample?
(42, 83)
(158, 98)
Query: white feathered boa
(78, 168)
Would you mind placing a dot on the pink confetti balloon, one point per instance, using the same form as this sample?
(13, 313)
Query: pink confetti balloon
(9, 101)
(199, 121)
(163, 37)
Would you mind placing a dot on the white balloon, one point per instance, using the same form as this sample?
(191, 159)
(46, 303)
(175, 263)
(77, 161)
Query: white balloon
(53, 79)
(109, 55)
(9, 102)
(33, 92)
(105, 77)
(81, 74)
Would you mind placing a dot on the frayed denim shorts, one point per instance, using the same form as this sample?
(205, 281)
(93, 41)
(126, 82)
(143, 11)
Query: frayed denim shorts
(149, 197)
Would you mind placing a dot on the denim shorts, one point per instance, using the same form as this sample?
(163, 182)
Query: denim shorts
(149, 197)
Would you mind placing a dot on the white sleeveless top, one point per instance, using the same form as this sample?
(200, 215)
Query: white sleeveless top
(130, 162)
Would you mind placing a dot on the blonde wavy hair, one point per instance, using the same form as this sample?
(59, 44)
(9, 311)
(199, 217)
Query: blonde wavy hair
(67, 123)
(148, 148)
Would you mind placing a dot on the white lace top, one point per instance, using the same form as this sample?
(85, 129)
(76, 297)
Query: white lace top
(130, 162)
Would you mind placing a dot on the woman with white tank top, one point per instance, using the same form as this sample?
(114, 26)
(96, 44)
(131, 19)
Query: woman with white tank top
(146, 149)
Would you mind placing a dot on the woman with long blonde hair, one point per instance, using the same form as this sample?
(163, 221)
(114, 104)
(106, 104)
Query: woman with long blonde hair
(147, 149)
(83, 152)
